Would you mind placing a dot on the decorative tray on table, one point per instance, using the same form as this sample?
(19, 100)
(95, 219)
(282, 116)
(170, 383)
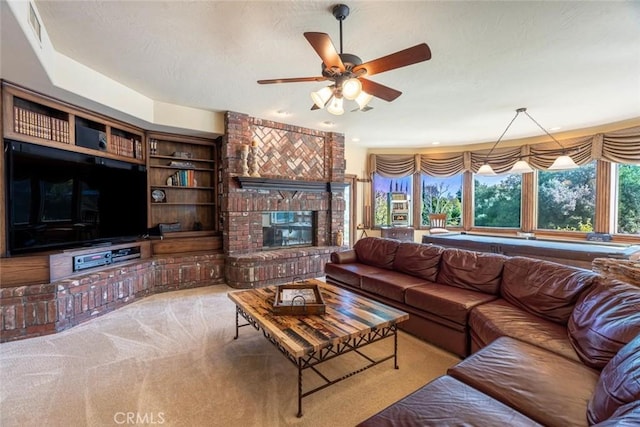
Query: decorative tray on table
(300, 299)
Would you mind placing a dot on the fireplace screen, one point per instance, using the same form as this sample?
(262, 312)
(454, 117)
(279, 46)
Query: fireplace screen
(287, 228)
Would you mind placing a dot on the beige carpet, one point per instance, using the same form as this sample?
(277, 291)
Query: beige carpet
(171, 359)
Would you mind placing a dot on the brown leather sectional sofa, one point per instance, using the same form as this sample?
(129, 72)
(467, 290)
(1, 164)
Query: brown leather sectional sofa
(543, 343)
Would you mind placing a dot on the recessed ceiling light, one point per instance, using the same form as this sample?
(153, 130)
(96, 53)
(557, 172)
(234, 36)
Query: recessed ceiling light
(282, 113)
(435, 143)
(328, 123)
(555, 128)
(356, 139)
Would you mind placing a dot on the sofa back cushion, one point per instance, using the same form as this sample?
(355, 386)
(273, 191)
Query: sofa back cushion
(544, 288)
(619, 383)
(418, 260)
(376, 251)
(476, 271)
(605, 318)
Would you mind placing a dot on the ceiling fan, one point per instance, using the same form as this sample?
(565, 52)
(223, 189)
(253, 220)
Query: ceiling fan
(347, 72)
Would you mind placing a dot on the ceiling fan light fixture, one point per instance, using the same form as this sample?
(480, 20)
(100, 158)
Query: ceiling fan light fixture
(321, 97)
(335, 106)
(563, 162)
(351, 88)
(363, 99)
(521, 166)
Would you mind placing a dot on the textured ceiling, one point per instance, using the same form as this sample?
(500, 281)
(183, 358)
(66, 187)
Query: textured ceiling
(572, 64)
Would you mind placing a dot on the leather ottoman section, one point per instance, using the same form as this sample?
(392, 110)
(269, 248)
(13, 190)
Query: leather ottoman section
(498, 318)
(447, 402)
(390, 284)
(545, 387)
(349, 274)
(446, 301)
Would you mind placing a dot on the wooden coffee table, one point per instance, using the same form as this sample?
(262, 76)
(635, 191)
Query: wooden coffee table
(350, 322)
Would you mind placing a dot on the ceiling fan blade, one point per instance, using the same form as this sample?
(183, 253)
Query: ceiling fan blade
(399, 59)
(293, 80)
(379, 91)
(324, 47)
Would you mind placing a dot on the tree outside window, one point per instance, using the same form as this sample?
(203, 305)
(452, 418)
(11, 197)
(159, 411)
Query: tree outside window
(496, 200)
(441, 195)
(566, 199)
(382, 187)
(628, 206)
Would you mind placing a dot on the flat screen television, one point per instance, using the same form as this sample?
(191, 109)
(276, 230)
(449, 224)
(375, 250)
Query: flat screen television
(60, 199)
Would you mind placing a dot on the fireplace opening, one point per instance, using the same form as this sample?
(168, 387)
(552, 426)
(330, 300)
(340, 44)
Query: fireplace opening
(283, 229)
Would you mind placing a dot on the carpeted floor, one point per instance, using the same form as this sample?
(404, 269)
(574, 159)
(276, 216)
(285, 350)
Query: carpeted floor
(171, 359)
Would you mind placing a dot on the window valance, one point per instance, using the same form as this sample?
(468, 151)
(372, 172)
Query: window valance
(621, 146)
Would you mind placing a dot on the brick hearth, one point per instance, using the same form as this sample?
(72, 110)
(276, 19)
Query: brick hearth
(283, 152)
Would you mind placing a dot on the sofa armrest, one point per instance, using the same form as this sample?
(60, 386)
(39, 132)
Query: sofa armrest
(344, 257)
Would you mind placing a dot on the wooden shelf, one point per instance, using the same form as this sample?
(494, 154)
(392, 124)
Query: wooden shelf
(183, 203)
(179, 187)
(182, 168)
(156, 156)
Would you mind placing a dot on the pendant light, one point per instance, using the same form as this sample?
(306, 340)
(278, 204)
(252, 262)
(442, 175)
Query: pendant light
(563, 162)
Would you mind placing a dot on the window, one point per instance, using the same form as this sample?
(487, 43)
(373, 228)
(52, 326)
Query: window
(383, 188)
(628, 200)
(441, 195)
(496, 200)
(566, 199)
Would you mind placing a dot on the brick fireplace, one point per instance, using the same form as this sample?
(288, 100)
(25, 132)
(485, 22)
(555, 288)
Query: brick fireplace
(299, 170)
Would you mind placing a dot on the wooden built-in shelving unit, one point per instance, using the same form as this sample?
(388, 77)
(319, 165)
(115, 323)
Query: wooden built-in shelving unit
(34, 118)
(183, 168)
(182, 183)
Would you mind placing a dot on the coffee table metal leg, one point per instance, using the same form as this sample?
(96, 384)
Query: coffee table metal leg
(237, 324)
(299, 388)
(395, 347)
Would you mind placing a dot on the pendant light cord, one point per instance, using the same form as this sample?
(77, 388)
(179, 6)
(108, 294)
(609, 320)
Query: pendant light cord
(544, 130)
(518, 111)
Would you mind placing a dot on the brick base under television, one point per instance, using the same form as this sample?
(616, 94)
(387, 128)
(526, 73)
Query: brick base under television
(35, 310)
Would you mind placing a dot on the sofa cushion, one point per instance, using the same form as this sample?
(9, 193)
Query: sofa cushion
(488, 322)
(476, 271)
(349, 274)
(605, 318)
(625, 416)
(418, 260)
(446, 401)
(619, 383)
(445, 301)
(376, 251)
(544, 288)
(544, 386)
(390, 284)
